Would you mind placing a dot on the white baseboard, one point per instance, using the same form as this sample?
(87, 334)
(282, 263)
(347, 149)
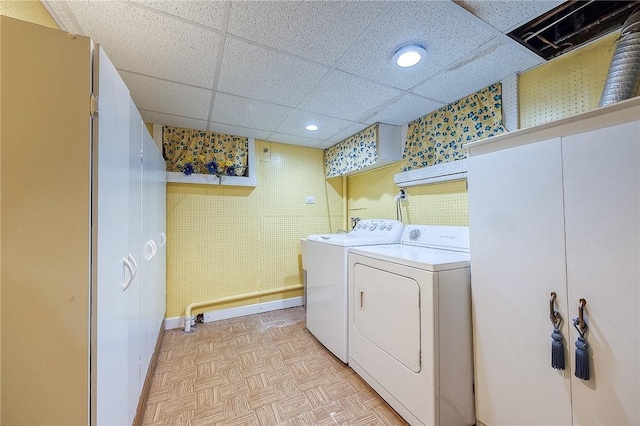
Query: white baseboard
(174, 322)
(178, 322)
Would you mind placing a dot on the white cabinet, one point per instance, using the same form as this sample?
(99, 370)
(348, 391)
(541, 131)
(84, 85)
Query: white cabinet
(73, 296)
(601, 177)
(153, 237)
(110, 242)
(137, 333)
(557, 209)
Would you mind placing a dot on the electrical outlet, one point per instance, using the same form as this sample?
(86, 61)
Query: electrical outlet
(310, 200)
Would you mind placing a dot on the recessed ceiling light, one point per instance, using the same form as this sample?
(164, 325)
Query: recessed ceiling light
(312, 127)
(409, 55)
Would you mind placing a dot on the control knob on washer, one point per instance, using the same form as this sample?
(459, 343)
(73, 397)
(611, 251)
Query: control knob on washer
(414, 234)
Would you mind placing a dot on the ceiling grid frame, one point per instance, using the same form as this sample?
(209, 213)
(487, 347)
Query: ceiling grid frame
(298, 24)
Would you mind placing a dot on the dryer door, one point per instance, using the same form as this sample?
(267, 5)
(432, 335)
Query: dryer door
(387, 313)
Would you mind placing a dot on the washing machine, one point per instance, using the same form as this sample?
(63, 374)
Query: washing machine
(410, 323)
(324, 261)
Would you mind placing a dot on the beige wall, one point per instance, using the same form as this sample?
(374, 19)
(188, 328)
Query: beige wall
(45, 257)
(31, 11)
(225, 240)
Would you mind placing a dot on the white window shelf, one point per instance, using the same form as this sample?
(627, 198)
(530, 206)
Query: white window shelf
(211, 179)
(203, 179)
(442, 172)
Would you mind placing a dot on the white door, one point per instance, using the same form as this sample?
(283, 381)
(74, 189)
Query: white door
(162, 246)
(602, 200)
(517, 260)
(386, 311)
(111, 214)
(149, 250)
(136, 335)
(159, 182)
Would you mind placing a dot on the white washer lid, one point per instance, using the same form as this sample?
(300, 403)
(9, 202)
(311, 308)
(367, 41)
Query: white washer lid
(348, 240)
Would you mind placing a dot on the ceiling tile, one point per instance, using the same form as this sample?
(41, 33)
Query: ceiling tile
(255, 72)
(346, 96)
(405, 109)
(325, 145)
(62, 15)
(486, 66)
(237, 130)
(244, 112)
(152, 117)
(207, 13)
(165, 96)
(345, 133)
(507, 15)
(293, 140)
(317, 30)
(295, 124)
(445, 33)
(150, 43)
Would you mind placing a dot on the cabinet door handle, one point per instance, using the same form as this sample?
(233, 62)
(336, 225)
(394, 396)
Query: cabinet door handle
(129, 267)
(135, 265)
(554, 316)
(362, 300)
(153, 248)
(582, 347)
(164, 239)
(557, 342)
(581, 326)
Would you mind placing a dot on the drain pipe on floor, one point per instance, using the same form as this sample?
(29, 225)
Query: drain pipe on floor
(623, 79)
(187, 313)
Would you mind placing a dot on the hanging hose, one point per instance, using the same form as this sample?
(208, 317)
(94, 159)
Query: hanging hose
(623, 79)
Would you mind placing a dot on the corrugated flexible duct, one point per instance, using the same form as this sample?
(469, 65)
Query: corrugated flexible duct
(623, 79)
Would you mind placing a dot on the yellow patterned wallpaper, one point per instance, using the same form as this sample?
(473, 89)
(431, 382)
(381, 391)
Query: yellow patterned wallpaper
(225, 240)
(372, 195)
(567, 85)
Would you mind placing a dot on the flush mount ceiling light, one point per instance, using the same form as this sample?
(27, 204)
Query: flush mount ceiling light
(312, 127)
(409, 55)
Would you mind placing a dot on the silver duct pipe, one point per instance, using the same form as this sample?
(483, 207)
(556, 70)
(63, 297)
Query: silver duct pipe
(623, 79)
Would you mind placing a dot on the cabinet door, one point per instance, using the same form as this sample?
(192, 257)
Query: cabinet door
(149, 252)
(111, 245)
(602, 188)
(517, 260)
(136, 334)
(161, 203)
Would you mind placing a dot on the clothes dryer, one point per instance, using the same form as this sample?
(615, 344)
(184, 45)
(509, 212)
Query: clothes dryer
(410, 324)
(324, 260)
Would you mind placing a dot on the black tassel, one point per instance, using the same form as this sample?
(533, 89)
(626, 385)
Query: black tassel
(557, 350)
(582, 359)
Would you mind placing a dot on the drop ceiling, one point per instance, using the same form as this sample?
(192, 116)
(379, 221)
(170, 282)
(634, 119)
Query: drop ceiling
(266, 69)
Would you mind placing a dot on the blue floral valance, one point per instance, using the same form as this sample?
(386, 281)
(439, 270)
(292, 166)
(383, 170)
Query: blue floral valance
(438, 137)
(352, 154)
(196, 149)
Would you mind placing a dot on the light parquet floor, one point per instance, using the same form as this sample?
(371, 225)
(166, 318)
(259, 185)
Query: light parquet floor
(263, 369)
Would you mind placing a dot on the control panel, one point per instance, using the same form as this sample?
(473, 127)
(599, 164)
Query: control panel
(441, 237)
(377, 227)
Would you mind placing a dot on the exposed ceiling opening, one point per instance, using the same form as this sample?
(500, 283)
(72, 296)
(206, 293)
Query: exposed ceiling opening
(572, 24)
